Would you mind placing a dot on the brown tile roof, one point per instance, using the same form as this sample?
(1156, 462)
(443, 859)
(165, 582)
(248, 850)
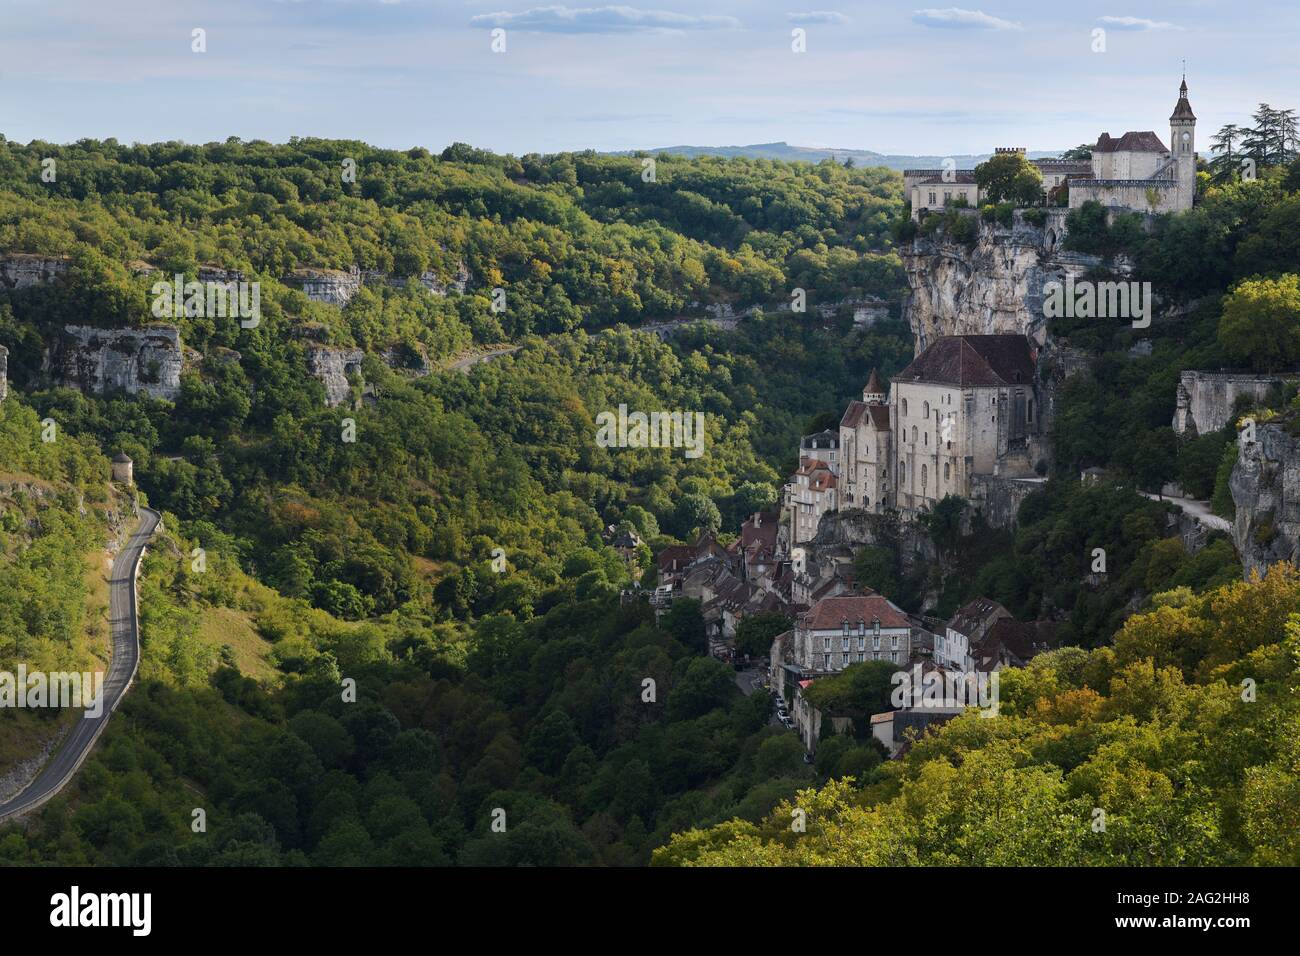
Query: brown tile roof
(1145, 141)
(957, 177)
(830, 613)
(873, 383)
(971, 615)
(973, 360)
(853, 415)
(1183, 109)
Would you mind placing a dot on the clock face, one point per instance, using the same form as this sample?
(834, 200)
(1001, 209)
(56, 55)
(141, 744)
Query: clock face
(1186, 136)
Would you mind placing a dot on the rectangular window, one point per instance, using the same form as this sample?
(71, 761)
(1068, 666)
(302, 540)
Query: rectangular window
(827, 645)
(862, 643)
(875, 643)
(893, 642)
(844, 644)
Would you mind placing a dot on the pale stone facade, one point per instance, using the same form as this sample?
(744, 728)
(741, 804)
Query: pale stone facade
(866, 450)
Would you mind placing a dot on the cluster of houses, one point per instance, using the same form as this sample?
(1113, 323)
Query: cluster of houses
(837, 623)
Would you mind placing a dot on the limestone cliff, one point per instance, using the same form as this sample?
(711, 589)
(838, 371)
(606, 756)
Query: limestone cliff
(137, 361)
(20, 270)
(333, 366)
(994, 287)
(1265, 487)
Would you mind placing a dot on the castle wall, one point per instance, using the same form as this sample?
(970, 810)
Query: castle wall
(1206, 399)
(1139, 195)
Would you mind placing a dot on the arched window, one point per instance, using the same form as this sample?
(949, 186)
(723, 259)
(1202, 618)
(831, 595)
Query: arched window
(926, 408)
(902, 471)
(945, 471)
(913, 434)
(924, 470)
(905, 407)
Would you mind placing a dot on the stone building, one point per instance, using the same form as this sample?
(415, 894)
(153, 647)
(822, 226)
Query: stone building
(866, 450)
(968, 405)
(809, 494)
(123, 469)
(1137, 171)
(822, 446)
(1206, 401)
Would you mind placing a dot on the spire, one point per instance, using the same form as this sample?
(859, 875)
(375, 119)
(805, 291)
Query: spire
(1183, 109)
(873, 392)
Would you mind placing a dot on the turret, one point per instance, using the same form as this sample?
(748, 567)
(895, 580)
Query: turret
(873, 394)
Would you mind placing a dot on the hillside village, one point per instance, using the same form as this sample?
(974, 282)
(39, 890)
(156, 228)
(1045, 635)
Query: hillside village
(970, 418)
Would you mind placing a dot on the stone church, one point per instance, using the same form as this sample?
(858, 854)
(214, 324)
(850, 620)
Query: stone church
(968, 407)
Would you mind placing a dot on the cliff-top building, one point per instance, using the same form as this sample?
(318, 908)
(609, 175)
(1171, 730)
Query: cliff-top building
(1135, 171)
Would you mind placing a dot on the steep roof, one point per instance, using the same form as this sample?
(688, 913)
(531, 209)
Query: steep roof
(122, 458)
(853, 415)
(829, 613)
(1183, 109)
(1145, 141)
(973, 360)
(873, 384)
(973, 613)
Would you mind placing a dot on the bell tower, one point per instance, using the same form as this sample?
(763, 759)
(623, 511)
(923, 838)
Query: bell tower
(1182, 147)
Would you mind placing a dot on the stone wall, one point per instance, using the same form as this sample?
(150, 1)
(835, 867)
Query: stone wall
(20, 270)
(1265, 487)
(1206, 399)
(333, 366)
(136, 361)
(999, 499)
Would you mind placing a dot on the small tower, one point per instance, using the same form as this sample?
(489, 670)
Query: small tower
(1182, 147)
(873, 394)
(123, 469)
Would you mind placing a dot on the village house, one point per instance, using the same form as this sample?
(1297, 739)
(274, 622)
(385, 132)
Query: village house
(809, 494)
(968, 626)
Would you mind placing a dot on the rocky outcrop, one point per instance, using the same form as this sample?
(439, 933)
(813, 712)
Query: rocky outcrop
(330, 286)
(145, 361)
(21, 270)
(995, 287)
(1206, 400)
(333, 366)
(1265, 487)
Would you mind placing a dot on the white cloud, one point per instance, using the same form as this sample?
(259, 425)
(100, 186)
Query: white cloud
(614, 19)
(955, 18)
(818, 16)
(1136, 23)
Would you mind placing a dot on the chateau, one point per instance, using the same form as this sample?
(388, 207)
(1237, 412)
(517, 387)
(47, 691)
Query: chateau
(1135, 172)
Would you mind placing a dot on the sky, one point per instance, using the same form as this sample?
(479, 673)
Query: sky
(886, 76)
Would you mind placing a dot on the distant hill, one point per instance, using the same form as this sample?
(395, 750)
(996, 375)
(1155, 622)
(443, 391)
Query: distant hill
(809, 154)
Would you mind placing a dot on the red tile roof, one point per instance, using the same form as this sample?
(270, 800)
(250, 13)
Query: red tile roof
(830, 613)
(1145, 141)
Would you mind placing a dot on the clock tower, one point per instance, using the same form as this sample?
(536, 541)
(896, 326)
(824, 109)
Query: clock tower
(1182, 147)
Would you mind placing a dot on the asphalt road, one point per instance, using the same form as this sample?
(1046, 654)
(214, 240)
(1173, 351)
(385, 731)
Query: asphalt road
(54, 776)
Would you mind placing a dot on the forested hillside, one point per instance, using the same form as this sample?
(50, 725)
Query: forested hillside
(372, 560)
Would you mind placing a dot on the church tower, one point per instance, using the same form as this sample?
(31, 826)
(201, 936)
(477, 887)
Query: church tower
(1182, 148)
(873, 394)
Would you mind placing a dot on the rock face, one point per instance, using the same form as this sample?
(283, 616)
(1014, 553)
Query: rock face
(326, 285)
(19, 270)
(137, 361)
(995, 287)
(333, 366)
(1265, 487)
(1206, 399)
(4, 372)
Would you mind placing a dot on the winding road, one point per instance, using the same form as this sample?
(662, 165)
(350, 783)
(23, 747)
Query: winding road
(125, 625)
